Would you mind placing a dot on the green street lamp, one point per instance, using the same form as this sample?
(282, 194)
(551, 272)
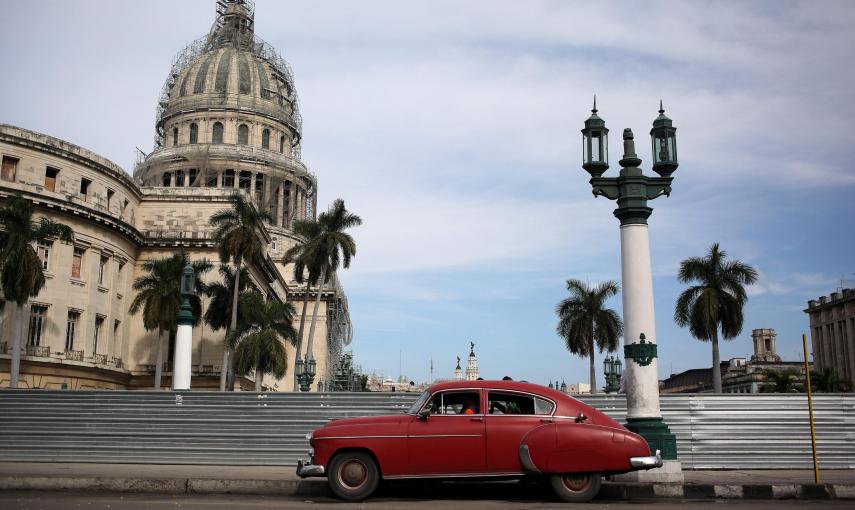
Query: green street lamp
(632, 190)
(182, 361)
(612, 369)
(305, 371)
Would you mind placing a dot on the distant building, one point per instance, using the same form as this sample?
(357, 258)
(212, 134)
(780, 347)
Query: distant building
(578, 389)
(738, 375)
(832, 332)
(472, 373)
(458, 372)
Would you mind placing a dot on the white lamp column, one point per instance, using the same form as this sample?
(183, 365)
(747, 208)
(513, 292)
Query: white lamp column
(182, 360)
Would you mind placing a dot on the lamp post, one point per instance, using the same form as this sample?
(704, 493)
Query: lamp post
(184, 335)
(305, 371)
(632, 190)
(612, 369)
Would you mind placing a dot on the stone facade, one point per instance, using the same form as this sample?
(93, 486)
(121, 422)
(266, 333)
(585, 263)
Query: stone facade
(77, 330)
(832, 332)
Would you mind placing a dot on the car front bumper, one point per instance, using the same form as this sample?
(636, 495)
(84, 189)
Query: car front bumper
(307, 470)
(649, 462)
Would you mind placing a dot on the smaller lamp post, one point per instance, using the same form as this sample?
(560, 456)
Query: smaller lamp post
(184, 335)
(305, 370)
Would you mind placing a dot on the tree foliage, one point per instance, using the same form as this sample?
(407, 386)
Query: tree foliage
(586, 324)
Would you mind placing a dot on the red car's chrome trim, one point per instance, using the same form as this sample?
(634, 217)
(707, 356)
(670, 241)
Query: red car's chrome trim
(398, 437)
(454, 475)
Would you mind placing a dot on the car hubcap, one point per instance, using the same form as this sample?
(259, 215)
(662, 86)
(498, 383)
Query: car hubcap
(576, 483)
(353, 473)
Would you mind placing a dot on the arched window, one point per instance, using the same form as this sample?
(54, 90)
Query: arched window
(218, 133)
(194, 133)
(243, 134)
(167, 179)
(282, 144)
(265, 139)
(174, 136)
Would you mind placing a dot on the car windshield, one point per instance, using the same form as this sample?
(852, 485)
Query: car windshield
(419, 403)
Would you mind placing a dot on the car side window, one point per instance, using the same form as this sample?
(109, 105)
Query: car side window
(510, 403)
(455, 402)
(542, 406)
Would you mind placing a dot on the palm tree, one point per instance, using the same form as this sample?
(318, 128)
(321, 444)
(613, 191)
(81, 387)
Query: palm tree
(828, 381)
(307, 230)
(219, 312)
(21, 273)
(783, 381)
(159, 297)
(584, 322)
(331, 247)
(236, 234)
(257, 341)
(715, 302)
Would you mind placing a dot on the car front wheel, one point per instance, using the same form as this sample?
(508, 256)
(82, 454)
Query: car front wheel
(353, 476)
(576, 487)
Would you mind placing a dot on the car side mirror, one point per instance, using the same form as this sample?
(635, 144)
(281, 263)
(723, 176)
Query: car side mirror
(424, 413)
(581, 418)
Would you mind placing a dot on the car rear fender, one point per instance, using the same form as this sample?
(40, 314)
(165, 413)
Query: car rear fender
(536, 446)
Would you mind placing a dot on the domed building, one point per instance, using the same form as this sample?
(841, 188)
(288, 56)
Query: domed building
(227, 121)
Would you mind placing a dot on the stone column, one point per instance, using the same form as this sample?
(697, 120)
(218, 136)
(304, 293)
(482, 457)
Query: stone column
(183, 356)
(642, 381)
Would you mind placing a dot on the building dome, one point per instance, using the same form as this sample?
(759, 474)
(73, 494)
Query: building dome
(230, 69)
(228, 118)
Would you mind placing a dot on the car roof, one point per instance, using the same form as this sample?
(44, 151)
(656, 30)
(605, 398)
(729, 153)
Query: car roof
(500, 385)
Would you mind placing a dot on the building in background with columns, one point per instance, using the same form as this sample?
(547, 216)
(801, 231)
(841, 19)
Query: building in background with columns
(832, 332)
(227, 121)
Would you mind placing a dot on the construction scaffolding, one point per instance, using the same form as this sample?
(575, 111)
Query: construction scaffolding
(277, 181)
(234, 25)
(344, 376)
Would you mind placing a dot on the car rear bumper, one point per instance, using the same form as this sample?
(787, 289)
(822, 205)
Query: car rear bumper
(307, 470)
(649, 462)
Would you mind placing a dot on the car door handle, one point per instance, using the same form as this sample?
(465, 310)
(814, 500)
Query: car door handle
(547, 420)
(476, 419)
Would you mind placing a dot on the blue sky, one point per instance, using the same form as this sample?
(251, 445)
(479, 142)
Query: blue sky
(452, 128)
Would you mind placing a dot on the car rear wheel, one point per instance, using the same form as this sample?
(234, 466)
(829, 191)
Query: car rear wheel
(576, 487)
(353, 476)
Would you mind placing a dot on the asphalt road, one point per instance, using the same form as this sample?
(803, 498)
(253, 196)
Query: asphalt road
(389, 499)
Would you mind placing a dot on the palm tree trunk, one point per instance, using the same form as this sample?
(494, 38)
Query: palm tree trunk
(224, 370)
(230, 381)
(716, 363)
(16, 348)
(300, 333)
(259, 375)
(158, 367)
(315, 312)
(593, 370)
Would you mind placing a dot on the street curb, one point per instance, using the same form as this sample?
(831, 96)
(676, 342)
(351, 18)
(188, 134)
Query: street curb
(609, 491)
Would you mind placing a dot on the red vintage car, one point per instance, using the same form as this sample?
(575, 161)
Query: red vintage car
(479, 429)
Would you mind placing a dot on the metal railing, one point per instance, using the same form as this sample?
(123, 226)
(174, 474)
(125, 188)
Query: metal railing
(713, 431)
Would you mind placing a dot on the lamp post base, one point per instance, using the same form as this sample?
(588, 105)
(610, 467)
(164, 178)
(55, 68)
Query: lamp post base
(657, 434)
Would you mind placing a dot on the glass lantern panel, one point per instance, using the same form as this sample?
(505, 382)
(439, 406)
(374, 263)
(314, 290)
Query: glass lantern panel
(672, 153)
(605, 139)
(595, 147)
(585, 142)
(660, 153)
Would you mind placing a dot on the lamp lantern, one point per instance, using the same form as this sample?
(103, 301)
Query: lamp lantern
(595, 144)
(188, 281)
(298, 367)
(310, 368)
(663, 138)
(617, 367)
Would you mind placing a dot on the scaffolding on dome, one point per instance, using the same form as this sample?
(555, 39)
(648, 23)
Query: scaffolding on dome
(339, 330)
(247, 38)
(234, 27)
